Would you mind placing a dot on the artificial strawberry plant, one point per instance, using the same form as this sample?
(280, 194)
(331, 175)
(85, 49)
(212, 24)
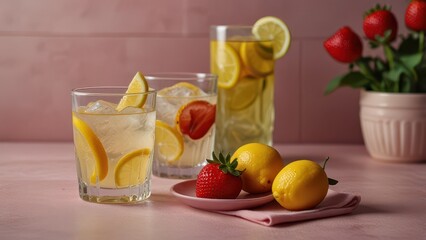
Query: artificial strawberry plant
(403, 67)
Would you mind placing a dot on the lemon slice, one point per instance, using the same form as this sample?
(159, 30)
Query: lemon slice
(181, 89)
(275, 29)
(137, 85)
(226, 64)
(258, 65)
(90, 152)
(168, 141)
(245, 93)
(132, 168)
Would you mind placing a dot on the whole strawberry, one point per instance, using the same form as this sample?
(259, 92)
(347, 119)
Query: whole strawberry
(377, 21)
(344, 46)
(219, 179)
(415, 15)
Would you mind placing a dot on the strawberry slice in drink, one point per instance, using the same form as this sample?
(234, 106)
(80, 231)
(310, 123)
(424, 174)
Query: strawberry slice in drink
(195, 118)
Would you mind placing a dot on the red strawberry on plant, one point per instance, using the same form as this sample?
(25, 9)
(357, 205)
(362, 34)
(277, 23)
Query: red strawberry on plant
(219, 179)
(344, 46)
(379, 20)
(415, 15)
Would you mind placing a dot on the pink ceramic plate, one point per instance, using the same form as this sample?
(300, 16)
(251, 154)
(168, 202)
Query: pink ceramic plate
(185, 192)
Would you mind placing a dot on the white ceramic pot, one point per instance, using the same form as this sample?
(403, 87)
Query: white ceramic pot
(394, 125)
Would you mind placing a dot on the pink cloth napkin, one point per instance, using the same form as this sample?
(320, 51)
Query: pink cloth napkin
(334, 204)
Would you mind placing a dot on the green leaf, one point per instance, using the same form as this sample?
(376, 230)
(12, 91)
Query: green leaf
(409, 45)
(210, 161)
(225, 164)
(363, 64)
(333, 85)
(332, 181)
(373, 44)
(379, 65)
(351, 79)
(234, 164)
(395, 73)
(412, 60)
(385, 38)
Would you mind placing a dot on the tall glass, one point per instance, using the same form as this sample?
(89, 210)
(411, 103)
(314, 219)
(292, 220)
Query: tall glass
(185, 128)
(113, 149)
(245, 68)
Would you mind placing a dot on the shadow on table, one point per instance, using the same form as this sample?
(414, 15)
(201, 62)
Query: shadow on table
(369, 209)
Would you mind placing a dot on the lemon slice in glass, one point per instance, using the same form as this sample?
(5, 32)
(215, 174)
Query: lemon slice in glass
(226, 64)
(253, 56)
(90, 152)
(275, 29)
(132, 168)
(181, 89)
(245, 93)
(132, 99)
(168, 141)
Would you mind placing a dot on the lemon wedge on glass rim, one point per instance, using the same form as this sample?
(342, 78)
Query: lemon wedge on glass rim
(132, 98)
(275, 29)
(90, 152)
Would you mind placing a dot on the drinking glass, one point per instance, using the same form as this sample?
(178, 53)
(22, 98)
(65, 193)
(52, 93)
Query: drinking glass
(113, 149)
(245, 68)
(185, 127)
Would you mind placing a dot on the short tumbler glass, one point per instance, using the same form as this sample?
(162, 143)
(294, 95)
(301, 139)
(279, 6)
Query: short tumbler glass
(113, 149)
(185, 127)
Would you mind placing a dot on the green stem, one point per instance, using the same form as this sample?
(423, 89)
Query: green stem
(325, 162)
(365, 69)
(331, 181)
(389, 55)
(421, 41)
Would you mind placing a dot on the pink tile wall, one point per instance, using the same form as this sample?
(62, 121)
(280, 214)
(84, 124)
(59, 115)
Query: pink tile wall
(48, 47)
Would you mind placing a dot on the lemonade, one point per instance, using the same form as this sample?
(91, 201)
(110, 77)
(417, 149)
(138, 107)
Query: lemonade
(244, 57)
(245, 102)
(185, 127)
(114, 144)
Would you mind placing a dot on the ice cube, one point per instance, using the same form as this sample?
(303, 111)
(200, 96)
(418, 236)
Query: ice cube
(171, 99)
(131, 110)
(101, 107)
(168, 107)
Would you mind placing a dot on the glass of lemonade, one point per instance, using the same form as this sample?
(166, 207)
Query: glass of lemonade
(245, 67)
(185, 126)
(114, 147)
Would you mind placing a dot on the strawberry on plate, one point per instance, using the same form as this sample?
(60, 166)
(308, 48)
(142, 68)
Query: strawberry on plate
(415, 15)
(344, 46)
(219, 179)
(379, 20)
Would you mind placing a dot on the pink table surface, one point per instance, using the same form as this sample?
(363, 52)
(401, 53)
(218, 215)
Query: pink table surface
(39, 200)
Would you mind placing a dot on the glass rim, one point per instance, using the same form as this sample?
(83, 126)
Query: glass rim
(180, 76)
(231, 26)
(236, 33)
(107, 91)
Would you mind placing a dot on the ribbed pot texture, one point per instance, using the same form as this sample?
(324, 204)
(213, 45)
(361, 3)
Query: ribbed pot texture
(394, 125)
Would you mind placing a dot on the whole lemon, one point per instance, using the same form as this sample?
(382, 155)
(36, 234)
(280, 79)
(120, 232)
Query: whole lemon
(260, 163)
(300, 185)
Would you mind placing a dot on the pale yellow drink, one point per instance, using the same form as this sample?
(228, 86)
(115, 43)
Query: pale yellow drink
(245, 68)
(185, 128)
(113, 148)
